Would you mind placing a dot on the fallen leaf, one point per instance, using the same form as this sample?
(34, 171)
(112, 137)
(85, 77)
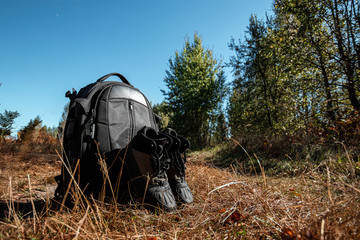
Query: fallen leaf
(288, 234)
(236, 216)
(151, 238)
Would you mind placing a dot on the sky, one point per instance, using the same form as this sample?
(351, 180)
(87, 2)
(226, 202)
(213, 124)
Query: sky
(48, 47)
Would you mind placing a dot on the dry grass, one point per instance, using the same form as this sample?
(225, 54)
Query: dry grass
(226, 206)
(40, 167)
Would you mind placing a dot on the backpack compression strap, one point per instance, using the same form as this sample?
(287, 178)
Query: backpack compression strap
(103, 78)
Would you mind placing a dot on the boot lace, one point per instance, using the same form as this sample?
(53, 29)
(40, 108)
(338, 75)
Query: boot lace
(160, 164)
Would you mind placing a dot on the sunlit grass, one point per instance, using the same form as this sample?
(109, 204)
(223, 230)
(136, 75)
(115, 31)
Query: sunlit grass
(228, 204)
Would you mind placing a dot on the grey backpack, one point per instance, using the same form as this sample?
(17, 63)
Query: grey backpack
(103, 117)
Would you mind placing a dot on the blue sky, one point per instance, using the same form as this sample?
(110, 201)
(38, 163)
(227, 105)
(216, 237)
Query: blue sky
(50, 46)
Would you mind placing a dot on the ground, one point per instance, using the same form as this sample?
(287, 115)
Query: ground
(227, 205)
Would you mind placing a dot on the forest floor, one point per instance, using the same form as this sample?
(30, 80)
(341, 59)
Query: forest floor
(227, 205)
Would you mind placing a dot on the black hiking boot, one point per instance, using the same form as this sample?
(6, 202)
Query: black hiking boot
(176, 172)
(148, 170)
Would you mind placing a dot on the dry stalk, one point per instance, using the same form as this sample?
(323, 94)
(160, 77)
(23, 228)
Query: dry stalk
(252, 163)
(11, 207)
(262, 170)
(105, 172)
(350, 186)
(32, 203)
(328, 185)
(81, 222)
(77, 189)
(227, 184)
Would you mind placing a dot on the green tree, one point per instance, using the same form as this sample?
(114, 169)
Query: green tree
(220, 133)
(323, 43)
(6, 122)
(342, 18)
(217, 121)
(298, 72)
(162, 111)
(194, 90)
(256, 94)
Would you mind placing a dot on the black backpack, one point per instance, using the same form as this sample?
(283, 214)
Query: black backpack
(103, 117)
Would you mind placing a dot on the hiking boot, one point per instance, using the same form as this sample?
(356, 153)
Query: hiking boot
(176, 173)
(148, 169)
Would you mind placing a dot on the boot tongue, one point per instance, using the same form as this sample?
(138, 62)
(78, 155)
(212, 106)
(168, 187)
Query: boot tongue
(175, 141)
(144, 141)
(185, 144)
(160, 145)
(159, 148)
(176, 144)
(168, 142)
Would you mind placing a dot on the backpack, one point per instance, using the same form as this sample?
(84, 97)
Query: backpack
(103, 118)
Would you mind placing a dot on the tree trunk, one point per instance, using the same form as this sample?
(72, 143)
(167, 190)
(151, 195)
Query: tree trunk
(345, 58)
(329, 101)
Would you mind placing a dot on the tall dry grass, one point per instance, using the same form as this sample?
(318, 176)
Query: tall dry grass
(227, 205)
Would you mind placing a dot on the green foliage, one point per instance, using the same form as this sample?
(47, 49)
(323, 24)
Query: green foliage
(297, 74)
(221, 131)
(162, 110)
(6, 122)
(195, 89)
(257, 91)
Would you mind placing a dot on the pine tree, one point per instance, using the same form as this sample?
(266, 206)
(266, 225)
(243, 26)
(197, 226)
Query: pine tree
(6, 122)
(194, 90)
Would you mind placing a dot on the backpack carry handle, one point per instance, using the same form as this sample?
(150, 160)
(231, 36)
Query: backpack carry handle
(103, 78)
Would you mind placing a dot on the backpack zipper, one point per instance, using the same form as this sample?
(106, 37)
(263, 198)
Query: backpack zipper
(132, 120)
